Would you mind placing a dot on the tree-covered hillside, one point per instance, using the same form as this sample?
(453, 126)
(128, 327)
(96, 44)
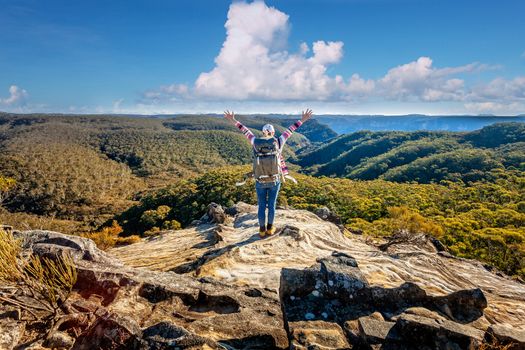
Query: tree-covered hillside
(76, 174)
(87, 168)
(421, 156)
(313, 130)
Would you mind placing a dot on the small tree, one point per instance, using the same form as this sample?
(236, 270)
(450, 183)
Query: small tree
(404, 219)
(108, 236)
(6, 184)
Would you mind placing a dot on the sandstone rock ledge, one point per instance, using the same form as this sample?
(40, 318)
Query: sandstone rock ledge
(219, 286)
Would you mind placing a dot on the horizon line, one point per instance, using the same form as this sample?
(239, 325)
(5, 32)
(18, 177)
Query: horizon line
(273, 113)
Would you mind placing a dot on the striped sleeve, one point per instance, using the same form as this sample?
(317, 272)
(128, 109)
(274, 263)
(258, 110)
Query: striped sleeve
(247, 132)
(284, 168)
(288, 132)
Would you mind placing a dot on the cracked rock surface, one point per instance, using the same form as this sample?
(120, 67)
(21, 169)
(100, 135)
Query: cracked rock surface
(217, 285)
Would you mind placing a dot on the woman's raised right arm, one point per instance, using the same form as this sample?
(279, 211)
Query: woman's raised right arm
(247, 132)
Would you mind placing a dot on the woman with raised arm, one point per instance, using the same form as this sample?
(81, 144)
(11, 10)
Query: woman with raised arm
(269, 168)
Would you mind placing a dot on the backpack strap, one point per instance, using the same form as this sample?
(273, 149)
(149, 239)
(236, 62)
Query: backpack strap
(258, 154)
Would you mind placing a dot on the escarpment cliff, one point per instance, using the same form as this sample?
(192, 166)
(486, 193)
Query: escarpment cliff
(217, 285)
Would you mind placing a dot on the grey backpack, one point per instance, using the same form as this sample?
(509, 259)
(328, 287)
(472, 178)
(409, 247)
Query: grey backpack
(266, 163)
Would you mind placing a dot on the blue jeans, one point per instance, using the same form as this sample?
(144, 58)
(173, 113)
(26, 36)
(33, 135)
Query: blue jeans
(267, 197)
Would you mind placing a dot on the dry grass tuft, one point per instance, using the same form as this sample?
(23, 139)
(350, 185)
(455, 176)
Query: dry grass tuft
(46, 282)
(55, 279)
(9, 253)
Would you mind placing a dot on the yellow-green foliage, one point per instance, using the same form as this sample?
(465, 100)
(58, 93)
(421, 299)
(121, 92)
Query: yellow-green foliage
(404, 219)
(399, 219)
(52, 279)
(153, 220)
(152, 231)
(171, 225)
(47, 281)
(9, 253)
(482, 220)
(65, 180)
(152, 217)
(5, 185)
(28, 221)
(108, 237)
(88, 168)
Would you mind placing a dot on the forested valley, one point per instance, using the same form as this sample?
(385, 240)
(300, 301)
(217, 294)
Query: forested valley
(117, 178)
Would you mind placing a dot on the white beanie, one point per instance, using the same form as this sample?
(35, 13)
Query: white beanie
(268, 128)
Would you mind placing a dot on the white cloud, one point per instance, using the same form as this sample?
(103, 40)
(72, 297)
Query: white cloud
(17, 97)
(500, 89)
(304, 48)
(254, 65)
(495, 107)
(166, 93)
(499, 96)
(419, 80)
(326, 53)
(359, 87)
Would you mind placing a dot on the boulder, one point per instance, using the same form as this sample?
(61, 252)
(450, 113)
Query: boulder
(240, 208)
(374, 331)
(49, 243)
(326, 214)
(335, 290)
(216, 213)
(463, 306)
(420, 332)
(341, 276)
(127, 297)
(394, 300)
(512, 338)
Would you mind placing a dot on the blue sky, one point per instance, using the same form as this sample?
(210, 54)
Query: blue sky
(335, 56)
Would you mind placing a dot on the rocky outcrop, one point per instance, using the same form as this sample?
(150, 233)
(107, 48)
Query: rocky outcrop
(217, 285)
(129, 308)
(336, 292)
(408, 276)
(240, 257)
